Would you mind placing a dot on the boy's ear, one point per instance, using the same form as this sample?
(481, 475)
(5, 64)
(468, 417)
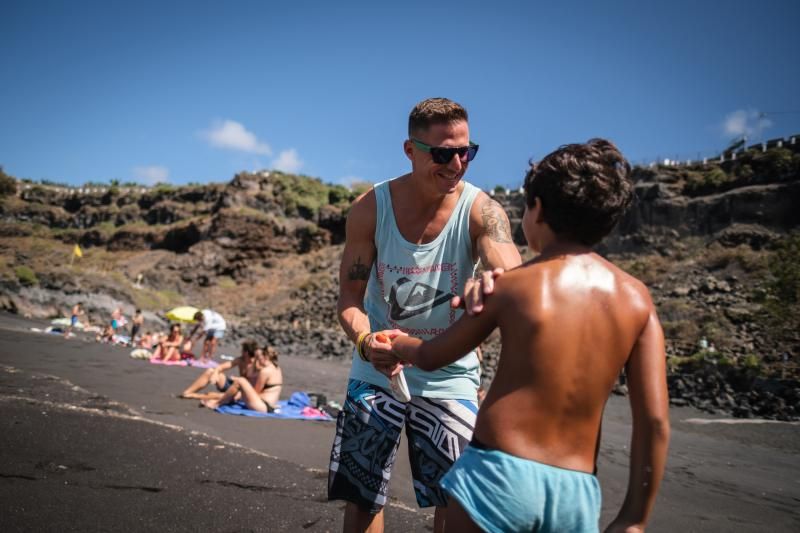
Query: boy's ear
(537, 205)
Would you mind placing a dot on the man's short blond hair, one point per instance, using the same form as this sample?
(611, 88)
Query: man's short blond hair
(434, 111)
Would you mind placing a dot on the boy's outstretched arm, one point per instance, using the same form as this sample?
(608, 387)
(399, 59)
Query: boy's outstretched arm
(647, 385)
(467, 333)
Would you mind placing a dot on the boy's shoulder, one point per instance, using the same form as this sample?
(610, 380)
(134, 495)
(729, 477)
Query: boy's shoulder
(630, 282)
(532, 275)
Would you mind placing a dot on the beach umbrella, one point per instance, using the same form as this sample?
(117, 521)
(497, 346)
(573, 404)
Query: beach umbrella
(182, 314)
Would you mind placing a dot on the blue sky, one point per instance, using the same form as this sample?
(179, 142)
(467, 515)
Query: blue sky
(197, 91)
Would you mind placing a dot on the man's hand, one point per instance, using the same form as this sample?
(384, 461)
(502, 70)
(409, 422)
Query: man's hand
(475, 290)
(379, 352)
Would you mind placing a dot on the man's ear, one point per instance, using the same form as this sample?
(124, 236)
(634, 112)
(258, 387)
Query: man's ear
(408, 148)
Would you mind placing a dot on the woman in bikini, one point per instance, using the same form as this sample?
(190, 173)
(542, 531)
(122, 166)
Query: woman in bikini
(169, 348)
(261, 395)
(245, 363)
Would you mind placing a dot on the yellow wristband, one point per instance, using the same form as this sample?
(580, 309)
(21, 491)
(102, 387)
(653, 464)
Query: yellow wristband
(360, 345)
(365, 346)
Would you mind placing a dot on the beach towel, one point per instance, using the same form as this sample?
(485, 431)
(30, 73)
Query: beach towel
(65, 322)
(297, 407)
(123, 340)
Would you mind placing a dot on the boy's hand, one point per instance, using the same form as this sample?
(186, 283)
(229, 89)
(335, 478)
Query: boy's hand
(474, 291)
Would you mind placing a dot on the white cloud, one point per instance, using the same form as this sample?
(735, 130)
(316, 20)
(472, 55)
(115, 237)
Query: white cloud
(747, 122)
(350, 180)
(288, 161)
(151, 175)
(232, 135)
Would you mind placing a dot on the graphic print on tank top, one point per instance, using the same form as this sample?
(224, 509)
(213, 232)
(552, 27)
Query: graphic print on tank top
(416, 294)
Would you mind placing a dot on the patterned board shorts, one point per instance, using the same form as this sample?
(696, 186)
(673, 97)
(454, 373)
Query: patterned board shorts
(368, 435)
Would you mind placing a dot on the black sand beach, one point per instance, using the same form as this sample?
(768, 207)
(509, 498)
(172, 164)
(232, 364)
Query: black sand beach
(93, 440)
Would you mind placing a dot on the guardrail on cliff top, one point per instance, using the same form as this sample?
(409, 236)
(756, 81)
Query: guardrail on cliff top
(793, 141)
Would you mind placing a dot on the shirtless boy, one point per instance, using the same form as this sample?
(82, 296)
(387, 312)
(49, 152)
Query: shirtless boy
(245, 363)
(570, 322)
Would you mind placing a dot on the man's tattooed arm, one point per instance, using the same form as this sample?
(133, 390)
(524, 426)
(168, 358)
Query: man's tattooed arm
(495, 222)
(358, 271)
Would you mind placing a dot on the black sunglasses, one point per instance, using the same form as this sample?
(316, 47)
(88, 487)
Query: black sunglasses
(442, 155)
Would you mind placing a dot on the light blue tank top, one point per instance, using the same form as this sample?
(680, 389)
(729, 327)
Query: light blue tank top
(410, 287)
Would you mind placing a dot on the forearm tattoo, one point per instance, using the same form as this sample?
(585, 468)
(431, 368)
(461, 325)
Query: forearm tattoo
(358, 271)
(495, 221)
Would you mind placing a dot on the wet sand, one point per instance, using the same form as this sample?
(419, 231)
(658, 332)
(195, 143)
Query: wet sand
(96, 441)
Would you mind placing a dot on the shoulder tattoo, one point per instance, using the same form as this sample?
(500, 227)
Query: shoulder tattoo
(495, 221)
(358, 271)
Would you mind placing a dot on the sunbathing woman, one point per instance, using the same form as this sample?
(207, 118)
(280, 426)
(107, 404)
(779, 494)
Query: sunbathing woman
(261, 396)
(168, 348)
(245, 363)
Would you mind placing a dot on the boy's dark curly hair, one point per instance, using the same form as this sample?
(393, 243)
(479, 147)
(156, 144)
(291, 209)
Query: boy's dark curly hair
(584, 189)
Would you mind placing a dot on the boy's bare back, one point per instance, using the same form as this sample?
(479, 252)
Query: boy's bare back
(568, 322)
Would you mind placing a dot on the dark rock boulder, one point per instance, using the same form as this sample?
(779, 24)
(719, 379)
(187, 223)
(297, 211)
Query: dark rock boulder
(180, 239)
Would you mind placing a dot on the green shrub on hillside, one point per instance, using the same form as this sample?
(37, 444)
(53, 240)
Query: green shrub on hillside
(705, 182)
(785, 268)
(303, 196)
(26, 276)
(776, 161)
(717, 257)
(53, 183)
(8, 185)
(680, 329)
(339, 194)
(751, 361)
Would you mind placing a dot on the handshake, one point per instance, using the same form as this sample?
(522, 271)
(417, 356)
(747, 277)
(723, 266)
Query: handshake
(390, 350)
(379, 349)
(384, 353)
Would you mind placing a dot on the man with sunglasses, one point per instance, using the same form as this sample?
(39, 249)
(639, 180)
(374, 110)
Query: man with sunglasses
(412, 245)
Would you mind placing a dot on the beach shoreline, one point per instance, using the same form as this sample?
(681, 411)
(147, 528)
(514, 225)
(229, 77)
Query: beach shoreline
(721, 476)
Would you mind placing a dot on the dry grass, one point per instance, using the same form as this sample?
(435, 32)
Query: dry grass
(649, 269)
(718, 257)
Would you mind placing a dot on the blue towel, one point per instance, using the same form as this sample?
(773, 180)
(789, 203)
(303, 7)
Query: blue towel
(297, 407)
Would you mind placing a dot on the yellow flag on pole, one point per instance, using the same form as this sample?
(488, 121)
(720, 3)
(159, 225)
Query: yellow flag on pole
(77, 251)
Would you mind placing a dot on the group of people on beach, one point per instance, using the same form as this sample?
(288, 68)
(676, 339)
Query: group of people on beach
(570, 323)
(258, 385)
(209, 326)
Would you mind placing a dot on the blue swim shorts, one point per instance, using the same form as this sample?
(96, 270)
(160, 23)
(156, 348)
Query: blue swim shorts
(215, 334)
(501, 493)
